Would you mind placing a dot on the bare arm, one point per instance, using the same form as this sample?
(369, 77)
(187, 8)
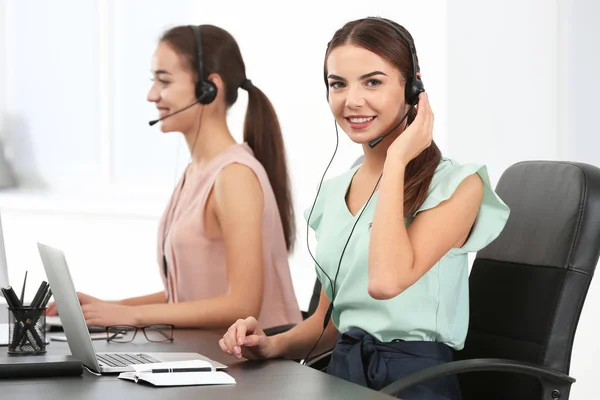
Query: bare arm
(154, 298)
(239, 210)
(88, 302)
(297, 342)
(398, 257)
(247, 339)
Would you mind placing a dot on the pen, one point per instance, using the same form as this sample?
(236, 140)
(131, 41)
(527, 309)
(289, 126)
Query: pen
(169, 370)
(23, 288)
(5, 294)
(39, 295)
(11, 297)
(46, 299)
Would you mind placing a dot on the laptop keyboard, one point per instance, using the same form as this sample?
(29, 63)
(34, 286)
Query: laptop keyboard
(124, 359)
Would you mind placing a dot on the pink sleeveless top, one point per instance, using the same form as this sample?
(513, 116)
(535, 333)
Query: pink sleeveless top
(196, 264)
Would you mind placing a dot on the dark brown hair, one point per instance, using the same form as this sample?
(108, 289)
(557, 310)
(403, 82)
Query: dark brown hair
(262, 132)
(381, 39)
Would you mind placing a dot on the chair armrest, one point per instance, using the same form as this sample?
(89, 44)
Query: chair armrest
(320, 362)
(553, 382)
(275, 330)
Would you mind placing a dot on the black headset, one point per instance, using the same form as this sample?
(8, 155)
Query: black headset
(206, 91)
(414, 84)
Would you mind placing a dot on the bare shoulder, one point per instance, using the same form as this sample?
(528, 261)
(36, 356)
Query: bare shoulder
(237, 182)
(236, 173)
(467, 196)
(469, 191)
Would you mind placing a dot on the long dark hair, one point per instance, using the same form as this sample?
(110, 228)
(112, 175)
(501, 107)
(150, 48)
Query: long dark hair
(381, 39)
(262, 131)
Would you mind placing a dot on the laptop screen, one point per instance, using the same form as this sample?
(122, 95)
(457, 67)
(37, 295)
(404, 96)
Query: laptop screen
(3, 267)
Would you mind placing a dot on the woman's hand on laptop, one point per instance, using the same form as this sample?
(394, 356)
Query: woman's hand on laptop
(106, 313)
(83, 299)
(245, 338)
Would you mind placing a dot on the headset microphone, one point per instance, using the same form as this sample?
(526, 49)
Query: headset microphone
(375, 142)
(153, 122)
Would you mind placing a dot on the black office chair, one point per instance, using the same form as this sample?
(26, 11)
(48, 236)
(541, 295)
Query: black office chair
(527, 288)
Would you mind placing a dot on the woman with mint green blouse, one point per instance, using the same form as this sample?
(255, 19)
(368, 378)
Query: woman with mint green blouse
(393, 233)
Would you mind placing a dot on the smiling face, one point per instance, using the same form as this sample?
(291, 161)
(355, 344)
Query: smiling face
(366, 93)
(172, 90)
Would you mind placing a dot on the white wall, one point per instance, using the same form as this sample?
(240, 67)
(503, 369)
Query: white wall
(2, 66)
(522, 84)
(76, 109)
(579, 88)
(580, 63)
(502, 81)
(51, 93)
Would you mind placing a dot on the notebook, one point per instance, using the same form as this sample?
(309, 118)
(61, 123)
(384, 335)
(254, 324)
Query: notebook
(178, 373)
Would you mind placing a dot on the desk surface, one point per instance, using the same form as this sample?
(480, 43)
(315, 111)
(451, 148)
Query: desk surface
(273, 379)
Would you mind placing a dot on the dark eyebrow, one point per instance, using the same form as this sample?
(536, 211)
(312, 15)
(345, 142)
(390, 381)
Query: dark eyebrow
(365, 76)
(370, 74)
(161, 71)
(339, 78)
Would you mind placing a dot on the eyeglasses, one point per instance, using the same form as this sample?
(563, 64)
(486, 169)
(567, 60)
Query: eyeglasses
(126, 333)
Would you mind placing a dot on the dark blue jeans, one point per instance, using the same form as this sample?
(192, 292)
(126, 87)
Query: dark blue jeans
(360, 358)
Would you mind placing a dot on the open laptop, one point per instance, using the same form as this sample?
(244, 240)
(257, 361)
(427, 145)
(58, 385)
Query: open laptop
(76, 330)
(3, 265)
(3, 283)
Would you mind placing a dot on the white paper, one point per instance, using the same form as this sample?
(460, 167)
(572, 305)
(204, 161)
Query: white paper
(129, 376)
(178, 378)
(187, 378)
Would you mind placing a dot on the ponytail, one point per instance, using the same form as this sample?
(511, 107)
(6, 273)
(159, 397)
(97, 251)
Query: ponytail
(419, 174)
(262, 132)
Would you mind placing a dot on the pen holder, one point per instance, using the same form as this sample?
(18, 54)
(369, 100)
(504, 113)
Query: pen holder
(26, 330)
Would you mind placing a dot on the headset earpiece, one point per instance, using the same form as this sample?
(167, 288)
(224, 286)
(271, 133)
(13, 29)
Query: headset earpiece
(206, 91)
(414, 87)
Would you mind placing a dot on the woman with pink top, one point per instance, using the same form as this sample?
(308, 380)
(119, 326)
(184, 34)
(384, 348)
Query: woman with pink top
(224, 237)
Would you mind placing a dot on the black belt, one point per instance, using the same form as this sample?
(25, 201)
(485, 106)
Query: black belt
(367, 356)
